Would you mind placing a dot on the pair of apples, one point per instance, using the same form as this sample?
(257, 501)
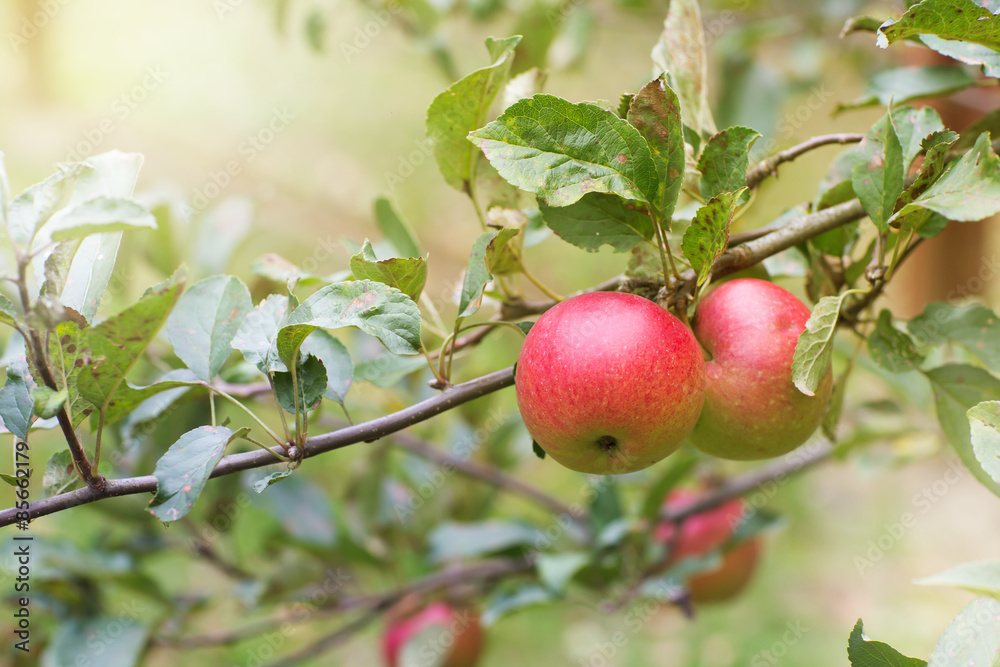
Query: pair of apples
(611, 383)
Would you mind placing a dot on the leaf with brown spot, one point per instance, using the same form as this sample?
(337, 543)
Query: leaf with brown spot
(205, 321)
(182, 471)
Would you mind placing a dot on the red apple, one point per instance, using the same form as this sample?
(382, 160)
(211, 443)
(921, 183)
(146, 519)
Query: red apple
(438, 631)
(752, 409)
(704, 533)
(609, 382)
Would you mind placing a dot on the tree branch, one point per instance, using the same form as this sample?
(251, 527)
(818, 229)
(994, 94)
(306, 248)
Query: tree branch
(797, 230)
(484, 570)
(769, 167)
(494, 476)
(366, 432)
(789, 464)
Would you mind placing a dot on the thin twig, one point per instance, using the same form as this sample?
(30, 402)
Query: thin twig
(769, 167)
(460, 575)
(493, 476)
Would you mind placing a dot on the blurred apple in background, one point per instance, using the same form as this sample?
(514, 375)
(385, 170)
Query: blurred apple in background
(704, 533)
(438, 635)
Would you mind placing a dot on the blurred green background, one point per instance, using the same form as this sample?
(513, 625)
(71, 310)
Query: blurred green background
(192, 85)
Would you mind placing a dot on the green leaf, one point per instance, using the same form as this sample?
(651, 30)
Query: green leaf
(537, 449)
(931, 169)
(506, 601)
(957, 388)
(87, 268)
(724, 161)
(451, 540)
(33, 207)
(981, 577)
(4, 191)
(836, 194)
(219, 231)
(275, 267)
(301, 507)
(905, 84)
(972, 638)
(814, 349)
(961, 20)
(207, 317)
(116, 344)
(831, 419)
(386, 369)
(8, 313)
(48, 402)
(656, 112)
(140, 418)
(257, 336)
(310, 376)
(969, 190)
(599, 219)
(605, 506)
(60, 474)
(94, 216)
(914, 129)
(556, 570)
(864, 653)
(877, 173)
(375, 308)
(890, 348)
(315, 29)
(984, 431)
(182, 472)
(975, 327)
(109, 641)
(336, 360)
(707, 237)
(408, 275)
(69, 356)
(16, 405)
(477, 273)
(970, 54)
(129, 398)
(681, 53)
(561, 151)
(261, 484)
(395, 230)
(461, 109)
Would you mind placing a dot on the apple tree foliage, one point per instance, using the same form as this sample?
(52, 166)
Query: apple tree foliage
(652, 175)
